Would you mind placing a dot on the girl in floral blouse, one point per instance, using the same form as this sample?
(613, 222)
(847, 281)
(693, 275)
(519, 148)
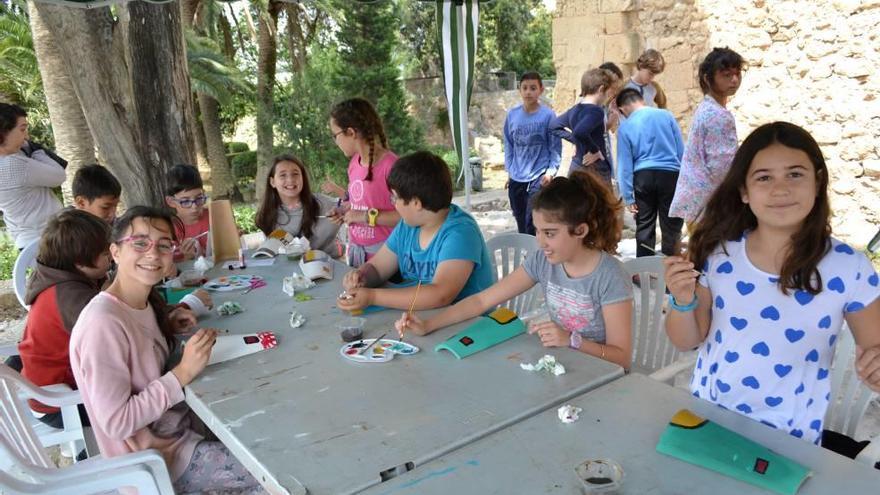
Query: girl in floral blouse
(712, 137)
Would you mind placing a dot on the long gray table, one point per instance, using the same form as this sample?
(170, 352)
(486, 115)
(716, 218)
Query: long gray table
(301, 416)
(622, 421)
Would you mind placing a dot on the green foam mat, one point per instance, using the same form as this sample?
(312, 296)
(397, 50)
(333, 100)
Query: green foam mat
(500, 325)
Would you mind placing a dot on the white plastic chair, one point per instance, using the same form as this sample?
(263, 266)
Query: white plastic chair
(26, 469)
(27, 258)
(653, 353)
(849, 396)
(73, 434)
(508, 251)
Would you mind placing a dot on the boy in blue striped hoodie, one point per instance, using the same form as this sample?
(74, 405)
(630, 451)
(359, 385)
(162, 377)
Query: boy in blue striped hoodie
(531, 153)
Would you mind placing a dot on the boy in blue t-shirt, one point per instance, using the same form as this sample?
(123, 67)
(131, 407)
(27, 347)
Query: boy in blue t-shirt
(436, 243)
(531, 152)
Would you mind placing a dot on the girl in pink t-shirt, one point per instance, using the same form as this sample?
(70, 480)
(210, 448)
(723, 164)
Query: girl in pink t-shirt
(369, 211)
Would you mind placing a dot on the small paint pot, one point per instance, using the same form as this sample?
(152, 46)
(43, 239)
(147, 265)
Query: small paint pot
(351, 329)
(600, 476)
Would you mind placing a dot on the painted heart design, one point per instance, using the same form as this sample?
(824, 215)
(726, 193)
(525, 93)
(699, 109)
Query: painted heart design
(813, 356)
(836, 284)
(731, 356)
(713, 369)
(853, 307)
(773, 401)
(794, 335)
(718, 336)
(744, 408)
(723, 387)
(725, 267)
(770, 313)
(738, 323)
(744, 288)
(799, 390)
(825, 322)
(823, 374)
(797, 433)
(843, 248)
(782, 370)
(816, 424)
(831, 340)
(874, 280)
(719, 302)
(761, 348)
(751, 382)
(803, 297)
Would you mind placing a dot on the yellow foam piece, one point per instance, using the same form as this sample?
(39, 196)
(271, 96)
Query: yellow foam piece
(686, 419)
(502, 315)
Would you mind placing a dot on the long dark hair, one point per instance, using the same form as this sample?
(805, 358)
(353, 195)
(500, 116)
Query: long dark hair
(360, 115)
(726, 217)
(120, 228)
(267, 216)
(583, 198)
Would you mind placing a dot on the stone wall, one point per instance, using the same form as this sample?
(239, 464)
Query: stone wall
(812, 62)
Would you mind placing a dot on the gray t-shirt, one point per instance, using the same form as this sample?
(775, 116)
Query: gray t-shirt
(648, 91)
(323, 232)
(576, 303)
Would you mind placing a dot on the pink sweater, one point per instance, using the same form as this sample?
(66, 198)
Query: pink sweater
(118, 355)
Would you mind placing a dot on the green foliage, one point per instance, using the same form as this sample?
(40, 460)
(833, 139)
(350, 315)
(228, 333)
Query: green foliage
(514, 36)
(244, 217)
(8, 254)
(236, 147)
(20, 79)
(210, 72)
(244, 165)
(303, 112)
(367, 39)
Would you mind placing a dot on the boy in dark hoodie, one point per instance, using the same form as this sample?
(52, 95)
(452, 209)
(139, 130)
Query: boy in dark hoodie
(71, 267)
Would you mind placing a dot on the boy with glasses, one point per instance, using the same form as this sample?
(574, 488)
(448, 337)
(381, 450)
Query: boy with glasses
(186, 195)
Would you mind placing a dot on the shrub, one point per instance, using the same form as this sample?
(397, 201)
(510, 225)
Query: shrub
(8, 254)
(244, 165)
(234, 147)
(244, 217)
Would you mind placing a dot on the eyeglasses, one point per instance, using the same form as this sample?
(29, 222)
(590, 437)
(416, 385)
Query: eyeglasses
(337, 133)
(142, 244)
(189, 203)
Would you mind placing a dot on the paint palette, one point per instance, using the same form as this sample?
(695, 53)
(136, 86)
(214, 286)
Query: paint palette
(232, 282)
(382, 352)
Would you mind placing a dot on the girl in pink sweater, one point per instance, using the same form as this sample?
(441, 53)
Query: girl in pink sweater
(119, 349)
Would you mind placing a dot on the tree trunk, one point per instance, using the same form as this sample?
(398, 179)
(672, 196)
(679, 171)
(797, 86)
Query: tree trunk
(72, 139)
(222, 182)
(188, 11)
(131, 77)
(267, 57)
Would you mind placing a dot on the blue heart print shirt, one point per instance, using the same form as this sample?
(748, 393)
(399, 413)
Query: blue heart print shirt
(768, 355)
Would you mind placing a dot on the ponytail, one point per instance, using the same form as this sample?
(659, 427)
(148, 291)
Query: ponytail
(360, 115)
(584, 198)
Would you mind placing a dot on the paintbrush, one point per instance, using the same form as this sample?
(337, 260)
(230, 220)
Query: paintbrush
(372, 343)
(664, 256)
(412, 306)
(203, 234)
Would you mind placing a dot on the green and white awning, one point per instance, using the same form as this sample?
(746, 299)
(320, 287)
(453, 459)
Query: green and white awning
(457, 22)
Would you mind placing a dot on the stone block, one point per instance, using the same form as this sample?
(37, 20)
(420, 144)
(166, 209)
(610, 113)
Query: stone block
(569, 8)
(618, 22)
(609, 6)
(871, 168)
(621, 48)
(853, 67)
(679, 76)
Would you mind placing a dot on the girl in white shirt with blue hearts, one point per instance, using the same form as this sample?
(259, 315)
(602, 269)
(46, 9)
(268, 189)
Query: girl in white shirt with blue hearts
(774, 288)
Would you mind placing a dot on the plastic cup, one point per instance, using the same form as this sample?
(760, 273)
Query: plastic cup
(351, 329)
(600, 476)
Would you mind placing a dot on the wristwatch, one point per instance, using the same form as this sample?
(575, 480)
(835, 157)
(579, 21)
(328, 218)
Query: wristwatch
(576, 340)
(372, 215)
